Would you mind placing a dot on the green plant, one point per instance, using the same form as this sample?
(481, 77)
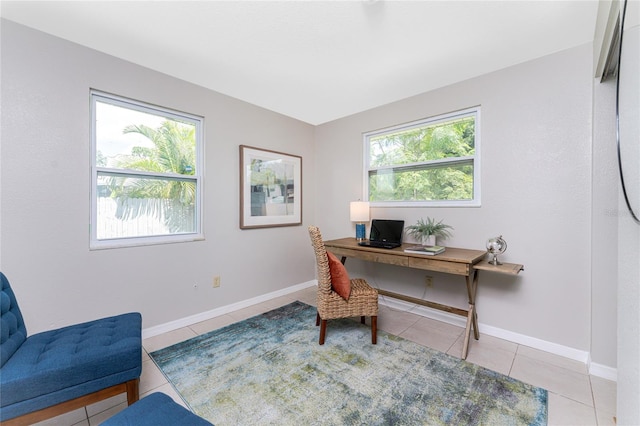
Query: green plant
(424, 228)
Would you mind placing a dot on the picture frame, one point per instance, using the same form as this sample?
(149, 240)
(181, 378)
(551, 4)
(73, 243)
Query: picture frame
(270, 188)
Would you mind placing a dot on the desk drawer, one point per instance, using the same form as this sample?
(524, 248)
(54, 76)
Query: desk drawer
(370, 256)
(439, 266)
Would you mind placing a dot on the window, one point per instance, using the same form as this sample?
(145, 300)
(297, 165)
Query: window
(431, 162)
(146, 173)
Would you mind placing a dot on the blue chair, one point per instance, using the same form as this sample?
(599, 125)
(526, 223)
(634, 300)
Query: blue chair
(156, 409)
(53, 372)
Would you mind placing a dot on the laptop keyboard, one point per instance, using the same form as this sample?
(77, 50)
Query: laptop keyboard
(378, 244)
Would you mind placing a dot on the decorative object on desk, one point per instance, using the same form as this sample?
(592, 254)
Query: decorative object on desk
(428, 250)
(426, 231)
(293, 382)
(270, 188)
(359, 212)
(496, 246)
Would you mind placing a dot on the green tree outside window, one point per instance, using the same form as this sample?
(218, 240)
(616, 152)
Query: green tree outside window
(427, 162)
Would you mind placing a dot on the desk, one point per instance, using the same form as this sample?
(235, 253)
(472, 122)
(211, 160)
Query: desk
(455, 261)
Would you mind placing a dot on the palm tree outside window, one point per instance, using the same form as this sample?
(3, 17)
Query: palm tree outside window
(146, 173)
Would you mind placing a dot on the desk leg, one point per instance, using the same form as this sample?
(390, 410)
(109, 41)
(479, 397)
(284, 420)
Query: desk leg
(476, 333)
(472, 316)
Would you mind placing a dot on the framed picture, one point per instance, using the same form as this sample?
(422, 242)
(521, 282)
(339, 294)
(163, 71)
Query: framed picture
(270, 188)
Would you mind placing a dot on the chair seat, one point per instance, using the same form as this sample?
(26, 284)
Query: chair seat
(156, 409)
(58, 365)
(363, 301)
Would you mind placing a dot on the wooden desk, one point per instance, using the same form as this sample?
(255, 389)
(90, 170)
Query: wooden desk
(454, 261)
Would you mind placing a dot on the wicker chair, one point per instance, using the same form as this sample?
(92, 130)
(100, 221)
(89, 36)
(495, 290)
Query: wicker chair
(363, 301)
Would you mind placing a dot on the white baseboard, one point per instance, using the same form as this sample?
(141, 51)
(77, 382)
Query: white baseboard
(203, 316)
(603, 371)
(595, 369)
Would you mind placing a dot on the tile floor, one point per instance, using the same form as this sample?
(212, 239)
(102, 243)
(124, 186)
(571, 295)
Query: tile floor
(575, 397)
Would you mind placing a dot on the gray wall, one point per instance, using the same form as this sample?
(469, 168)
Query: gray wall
(536, 145)
(604, 225)
(46, 194)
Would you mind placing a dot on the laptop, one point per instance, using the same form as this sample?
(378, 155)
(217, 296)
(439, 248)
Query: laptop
(385, 233)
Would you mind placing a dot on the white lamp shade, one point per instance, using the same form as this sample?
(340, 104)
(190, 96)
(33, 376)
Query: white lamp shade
(359, 211)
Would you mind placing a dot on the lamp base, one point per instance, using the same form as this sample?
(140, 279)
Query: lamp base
(360, 232)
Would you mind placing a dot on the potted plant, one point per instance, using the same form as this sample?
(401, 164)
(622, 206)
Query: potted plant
(426, 231)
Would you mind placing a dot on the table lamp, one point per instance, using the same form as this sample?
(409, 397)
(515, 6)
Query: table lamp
(359, 211)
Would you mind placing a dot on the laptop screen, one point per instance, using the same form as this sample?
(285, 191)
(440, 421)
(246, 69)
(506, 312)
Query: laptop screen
(386, 230)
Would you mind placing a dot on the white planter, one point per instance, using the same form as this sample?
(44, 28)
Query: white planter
(429, 240)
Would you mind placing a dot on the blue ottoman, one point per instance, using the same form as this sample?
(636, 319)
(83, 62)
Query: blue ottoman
(156, 409)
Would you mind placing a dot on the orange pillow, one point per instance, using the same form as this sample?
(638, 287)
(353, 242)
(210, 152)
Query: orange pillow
(340, 282)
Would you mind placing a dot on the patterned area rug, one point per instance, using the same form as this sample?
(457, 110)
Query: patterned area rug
(269, 369)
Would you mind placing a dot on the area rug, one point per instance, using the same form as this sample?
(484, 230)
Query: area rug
(269, 369)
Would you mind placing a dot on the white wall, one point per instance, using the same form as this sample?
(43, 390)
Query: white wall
(604, 211)
(629, 235)
(536, 192)
(612, 224)
(45, 194)
(604, 226)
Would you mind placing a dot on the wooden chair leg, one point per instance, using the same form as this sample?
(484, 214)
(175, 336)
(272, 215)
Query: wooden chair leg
(362, 321)
(374, 330)
(133, 391)
(74, 404)
(323, 331)
(317, 320)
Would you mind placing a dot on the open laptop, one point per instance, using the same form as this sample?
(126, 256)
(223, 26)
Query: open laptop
(385, 233)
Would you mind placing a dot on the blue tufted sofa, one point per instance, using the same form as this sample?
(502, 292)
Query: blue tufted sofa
(52, 372)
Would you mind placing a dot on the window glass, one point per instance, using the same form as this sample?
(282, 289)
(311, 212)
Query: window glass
(146, 173)
(429, 162)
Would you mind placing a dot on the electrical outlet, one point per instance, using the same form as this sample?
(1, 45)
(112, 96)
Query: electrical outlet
(216, 282)
(428, 281)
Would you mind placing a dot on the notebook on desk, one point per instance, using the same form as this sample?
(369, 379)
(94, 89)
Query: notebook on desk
(385, 233)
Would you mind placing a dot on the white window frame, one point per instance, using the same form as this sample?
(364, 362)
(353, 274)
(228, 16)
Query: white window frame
(475, 202)
(197, 121)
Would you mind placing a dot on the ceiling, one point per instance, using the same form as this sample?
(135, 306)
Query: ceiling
(317, 61)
